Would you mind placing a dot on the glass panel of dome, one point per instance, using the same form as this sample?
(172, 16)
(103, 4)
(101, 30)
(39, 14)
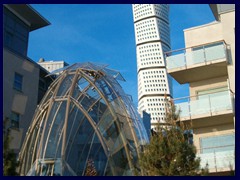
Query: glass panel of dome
(84, 117)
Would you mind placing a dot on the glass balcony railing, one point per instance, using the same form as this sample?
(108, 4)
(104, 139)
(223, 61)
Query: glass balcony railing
(195, 55)
(204, 104)
(218, 161)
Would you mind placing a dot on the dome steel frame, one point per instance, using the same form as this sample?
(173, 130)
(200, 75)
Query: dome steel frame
(84, 116)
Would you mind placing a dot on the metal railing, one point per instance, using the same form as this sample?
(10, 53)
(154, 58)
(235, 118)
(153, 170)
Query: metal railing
(204, 104)
(217, 159)
(195, 55)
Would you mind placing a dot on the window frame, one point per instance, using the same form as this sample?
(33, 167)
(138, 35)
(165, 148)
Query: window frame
(15, 119)
(18, 82)
(221, 146)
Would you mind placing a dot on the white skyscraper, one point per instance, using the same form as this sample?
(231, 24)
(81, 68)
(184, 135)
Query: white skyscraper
(152, 36)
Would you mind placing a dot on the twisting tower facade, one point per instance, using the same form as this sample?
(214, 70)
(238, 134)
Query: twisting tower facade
(152, 37)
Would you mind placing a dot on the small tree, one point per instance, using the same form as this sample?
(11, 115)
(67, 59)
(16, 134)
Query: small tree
(10, 163)
(169, 152)
(90, 169)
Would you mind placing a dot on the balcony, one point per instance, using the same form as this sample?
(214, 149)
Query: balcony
(207, 109)
(198, 63)
(218, 161)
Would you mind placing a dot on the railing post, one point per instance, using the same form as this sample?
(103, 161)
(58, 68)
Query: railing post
(231, 99)
(215, 160)
(210, 105)
(189, 108)
(225, 52)
(185, 58)
(204, 55)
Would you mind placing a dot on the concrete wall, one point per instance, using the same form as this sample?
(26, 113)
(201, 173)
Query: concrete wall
(207, 84)
(24, 102)
(216, 31)
(203, 34)
(224, 29)
(223, 8)
(51, 65)
(215, 130)
(228, 31)
(218, 9)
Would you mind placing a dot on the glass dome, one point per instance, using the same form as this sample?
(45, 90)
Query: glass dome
(84, 124)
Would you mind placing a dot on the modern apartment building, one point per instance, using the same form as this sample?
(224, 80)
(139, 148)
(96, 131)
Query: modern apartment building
(152, 37)
(50, 66)
(207, 63)
(24, 81)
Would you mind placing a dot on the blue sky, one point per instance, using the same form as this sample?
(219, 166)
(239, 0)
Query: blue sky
(105, 34)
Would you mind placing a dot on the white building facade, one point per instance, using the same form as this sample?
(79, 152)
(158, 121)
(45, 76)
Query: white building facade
(207, 64)
(51, 66)
(152, 37)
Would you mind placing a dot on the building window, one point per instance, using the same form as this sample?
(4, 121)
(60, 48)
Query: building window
(217, 143)
(15, 33)
(18, 79)
(8, 39)
(211, 93)
(15, 117)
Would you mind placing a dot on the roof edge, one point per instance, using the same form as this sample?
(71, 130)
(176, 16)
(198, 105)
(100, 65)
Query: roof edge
(28, 15)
